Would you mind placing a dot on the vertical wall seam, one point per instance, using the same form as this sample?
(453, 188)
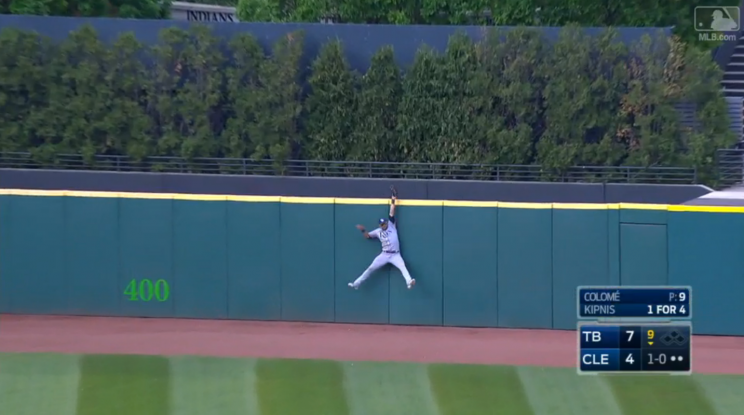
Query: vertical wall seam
(281, 263)
(609, 256)
(390, 271)
(119, 267)
(666, 248)
(333, 235)
(496, 212)
(9, 231)
(552, 267)
(618, 228)
(441, 269)
(227, 261)
(173, 250)
(65, 252)
(498, 267)
(607, 229)
(2, 287)
(609, 259)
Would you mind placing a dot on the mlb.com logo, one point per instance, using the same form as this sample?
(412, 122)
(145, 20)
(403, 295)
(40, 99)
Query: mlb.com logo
(716, 23)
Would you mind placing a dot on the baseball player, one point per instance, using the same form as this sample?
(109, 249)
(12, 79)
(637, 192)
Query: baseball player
(387, 233)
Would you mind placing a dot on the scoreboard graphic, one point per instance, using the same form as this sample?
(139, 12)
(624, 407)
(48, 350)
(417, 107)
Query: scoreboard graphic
(634, 302)
(635, 330)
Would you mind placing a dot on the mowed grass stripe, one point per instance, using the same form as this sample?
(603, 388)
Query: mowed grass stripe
(35, 384)
(476, 389)
(209, 385)
(724, 392)
(560, 391)
(659, 395)
(300, 387)
(388, 388)
(124, 385)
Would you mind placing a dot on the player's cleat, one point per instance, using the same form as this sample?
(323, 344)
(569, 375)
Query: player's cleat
(411, 284)
(351, 285)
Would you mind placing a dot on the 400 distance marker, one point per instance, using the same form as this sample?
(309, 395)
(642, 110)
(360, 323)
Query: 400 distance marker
(147, 290)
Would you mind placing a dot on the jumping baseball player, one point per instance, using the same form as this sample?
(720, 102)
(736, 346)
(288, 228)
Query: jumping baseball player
(387, 233)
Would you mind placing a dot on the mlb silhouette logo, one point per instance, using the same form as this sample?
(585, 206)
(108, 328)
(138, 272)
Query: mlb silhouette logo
(717, 19)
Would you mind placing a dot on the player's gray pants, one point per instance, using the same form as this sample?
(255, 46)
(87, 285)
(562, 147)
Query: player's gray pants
(382, 260)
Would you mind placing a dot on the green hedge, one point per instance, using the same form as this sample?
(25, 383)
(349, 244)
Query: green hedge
(676, 14)
(131, 9)
(510, 99)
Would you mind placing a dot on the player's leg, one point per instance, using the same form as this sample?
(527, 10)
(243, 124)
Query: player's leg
(376, 264)
(398, 262)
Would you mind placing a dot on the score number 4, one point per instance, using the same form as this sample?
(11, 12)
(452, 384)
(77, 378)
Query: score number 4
(145, 290)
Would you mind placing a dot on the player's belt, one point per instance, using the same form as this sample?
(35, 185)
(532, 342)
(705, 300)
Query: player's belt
(391, 252)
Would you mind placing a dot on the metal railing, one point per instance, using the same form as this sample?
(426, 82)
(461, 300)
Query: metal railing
(730, 164)
(311, 168)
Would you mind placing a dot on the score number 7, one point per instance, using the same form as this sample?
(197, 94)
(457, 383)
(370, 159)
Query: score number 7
(629, 358)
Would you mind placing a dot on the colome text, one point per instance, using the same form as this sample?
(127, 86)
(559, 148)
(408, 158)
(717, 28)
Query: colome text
(602, 297)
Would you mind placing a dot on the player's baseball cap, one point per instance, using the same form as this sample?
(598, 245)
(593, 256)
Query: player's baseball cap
(383, 220)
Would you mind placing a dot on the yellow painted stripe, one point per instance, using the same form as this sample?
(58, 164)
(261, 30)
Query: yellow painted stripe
(234, 198)
(420, 202)
(308, 200)
(93, 194)
(207, 198)
(643, 206)
(513, 205)
(27, 192)
(57, 193)
(360, 201)
(350, 201)
(466, 203)
(710, 209)
(127, 195)
(580, 206)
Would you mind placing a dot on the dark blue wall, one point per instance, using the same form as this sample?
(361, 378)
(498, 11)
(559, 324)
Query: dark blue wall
(360, 41)
(535, 192)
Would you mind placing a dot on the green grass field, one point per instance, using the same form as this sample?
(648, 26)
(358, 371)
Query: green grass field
(52, 384)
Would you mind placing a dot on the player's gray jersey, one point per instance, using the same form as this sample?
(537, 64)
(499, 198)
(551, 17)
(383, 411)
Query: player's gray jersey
(388, 237)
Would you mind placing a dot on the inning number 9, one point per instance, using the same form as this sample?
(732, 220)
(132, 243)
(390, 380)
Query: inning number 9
(650, 334)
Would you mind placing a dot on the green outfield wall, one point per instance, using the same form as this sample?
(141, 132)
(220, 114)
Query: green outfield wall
(484, 264)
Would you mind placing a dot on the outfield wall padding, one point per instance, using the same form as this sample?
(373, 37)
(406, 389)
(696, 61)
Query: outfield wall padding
(477, 264)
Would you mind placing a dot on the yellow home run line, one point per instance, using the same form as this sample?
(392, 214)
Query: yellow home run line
(362, 201)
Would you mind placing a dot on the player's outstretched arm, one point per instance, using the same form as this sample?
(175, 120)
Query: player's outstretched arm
(393, 199)
(392, 209)
(364, 232)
